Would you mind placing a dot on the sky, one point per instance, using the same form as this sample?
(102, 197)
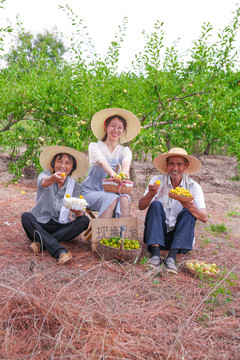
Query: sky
(182, 19)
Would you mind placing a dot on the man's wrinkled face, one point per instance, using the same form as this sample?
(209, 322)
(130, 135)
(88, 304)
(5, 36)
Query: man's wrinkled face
(176, 166)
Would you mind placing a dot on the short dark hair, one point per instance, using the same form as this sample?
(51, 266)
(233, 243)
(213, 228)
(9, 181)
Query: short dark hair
(109, 119)
(70, 157)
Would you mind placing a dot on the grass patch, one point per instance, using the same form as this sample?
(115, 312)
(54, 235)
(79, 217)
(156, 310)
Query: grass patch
(218, 228)
(233, 213)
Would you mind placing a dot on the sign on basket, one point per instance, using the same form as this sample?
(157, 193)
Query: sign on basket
(106, 228)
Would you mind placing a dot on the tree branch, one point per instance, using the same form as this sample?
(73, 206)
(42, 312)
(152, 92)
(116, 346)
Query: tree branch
(58, 113)
(190, 95)
(161, 123)
(12, 122)
(159, 99)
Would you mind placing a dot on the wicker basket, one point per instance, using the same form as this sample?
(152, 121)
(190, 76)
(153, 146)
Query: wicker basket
(180, 197)
(120, 254)
(119, 188)
(193, 271)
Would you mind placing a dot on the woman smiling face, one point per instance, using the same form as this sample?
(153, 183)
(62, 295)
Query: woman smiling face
(115, 129)
(63, 163)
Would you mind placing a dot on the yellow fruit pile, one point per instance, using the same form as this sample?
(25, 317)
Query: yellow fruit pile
(116, 243)
(120, 176)
(203, 268)
(181, 191)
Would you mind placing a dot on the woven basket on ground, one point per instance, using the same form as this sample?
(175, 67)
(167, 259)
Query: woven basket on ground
(120, 254)
(196, 272)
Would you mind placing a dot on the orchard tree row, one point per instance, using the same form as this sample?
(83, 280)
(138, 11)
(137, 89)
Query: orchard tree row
(48, 98)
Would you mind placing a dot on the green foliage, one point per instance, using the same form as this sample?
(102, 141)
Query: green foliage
(204, 241)
(222, 294)
(219, 228)
(29, 51)
(233, 213)
(203, 319)
(3, 31)
(189, 102)
(235, 178)
(144, 260)
(223, 286)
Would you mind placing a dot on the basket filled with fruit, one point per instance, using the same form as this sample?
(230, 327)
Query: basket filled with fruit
(180, 194)
(117, 248)
(201, 268)
(118, 184)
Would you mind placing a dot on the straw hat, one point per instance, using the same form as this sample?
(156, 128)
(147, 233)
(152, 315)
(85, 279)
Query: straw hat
(133, 124)
(48, 154)
(161, 164)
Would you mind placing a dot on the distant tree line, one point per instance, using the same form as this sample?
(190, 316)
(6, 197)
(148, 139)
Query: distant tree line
(191, 102)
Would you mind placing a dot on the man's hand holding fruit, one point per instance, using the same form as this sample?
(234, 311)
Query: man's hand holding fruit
(154, 188)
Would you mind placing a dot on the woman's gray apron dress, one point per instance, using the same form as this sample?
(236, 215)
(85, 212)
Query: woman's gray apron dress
(92, 189)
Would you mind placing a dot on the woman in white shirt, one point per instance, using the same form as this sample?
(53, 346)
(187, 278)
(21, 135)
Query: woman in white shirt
(112, 127)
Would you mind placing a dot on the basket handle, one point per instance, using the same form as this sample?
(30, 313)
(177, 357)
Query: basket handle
(118, 167)
(122, 235)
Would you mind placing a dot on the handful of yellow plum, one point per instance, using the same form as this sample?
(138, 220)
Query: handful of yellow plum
(116, 243)
(120, 176)
(202, 268)
(181, 194)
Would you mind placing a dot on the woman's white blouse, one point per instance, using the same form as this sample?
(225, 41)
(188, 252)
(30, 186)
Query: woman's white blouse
(100, 150)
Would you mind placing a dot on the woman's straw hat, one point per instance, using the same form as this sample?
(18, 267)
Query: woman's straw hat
(48, 154)
(161, 164)
(133, 124)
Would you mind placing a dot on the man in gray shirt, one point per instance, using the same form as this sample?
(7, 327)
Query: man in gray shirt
(170, 223)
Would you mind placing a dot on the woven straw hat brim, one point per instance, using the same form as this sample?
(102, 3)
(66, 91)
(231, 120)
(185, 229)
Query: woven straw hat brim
(48, 154)
(161, 164)
(133, 124)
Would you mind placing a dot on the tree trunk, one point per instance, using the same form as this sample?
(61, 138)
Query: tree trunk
(133, 174)
(168, 142)
(207, 150)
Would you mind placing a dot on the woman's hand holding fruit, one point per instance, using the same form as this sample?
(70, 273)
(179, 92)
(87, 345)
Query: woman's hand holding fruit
(120, 177)
(57, 177)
